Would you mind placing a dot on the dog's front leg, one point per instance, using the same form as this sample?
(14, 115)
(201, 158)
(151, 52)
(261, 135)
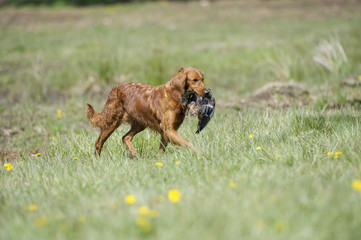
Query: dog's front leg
(175, 138)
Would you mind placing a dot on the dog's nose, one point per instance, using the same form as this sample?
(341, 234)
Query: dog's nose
(207, 92)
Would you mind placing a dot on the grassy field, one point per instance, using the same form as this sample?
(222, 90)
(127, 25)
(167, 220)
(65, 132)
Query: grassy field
(259, 173)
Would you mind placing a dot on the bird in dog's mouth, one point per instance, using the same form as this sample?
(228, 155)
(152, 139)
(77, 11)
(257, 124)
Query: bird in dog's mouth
(203, 107)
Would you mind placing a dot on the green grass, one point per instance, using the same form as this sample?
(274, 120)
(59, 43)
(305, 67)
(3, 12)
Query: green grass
(61, 58)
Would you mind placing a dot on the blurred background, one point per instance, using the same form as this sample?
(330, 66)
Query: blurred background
(84, 2)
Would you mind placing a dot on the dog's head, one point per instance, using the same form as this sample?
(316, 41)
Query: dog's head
(190, 79)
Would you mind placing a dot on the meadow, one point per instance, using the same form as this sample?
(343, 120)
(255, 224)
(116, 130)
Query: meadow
(258, 173)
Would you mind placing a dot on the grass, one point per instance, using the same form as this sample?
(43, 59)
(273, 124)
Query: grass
(61, 58)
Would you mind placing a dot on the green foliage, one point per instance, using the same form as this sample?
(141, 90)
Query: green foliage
(67, 2)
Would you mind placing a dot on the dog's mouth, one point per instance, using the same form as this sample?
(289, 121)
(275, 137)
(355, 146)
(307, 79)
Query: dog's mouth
(203, 107)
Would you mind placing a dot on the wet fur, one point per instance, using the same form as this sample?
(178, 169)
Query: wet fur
(143, 105)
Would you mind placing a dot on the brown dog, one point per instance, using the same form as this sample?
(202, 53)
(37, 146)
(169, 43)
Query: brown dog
(142, 105)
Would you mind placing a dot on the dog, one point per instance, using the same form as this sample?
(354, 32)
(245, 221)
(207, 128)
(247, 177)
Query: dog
(142, 105)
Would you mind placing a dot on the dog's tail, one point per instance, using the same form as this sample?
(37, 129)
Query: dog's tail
(92, 115)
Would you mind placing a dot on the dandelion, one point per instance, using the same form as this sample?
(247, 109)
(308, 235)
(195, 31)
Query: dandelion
(254, 130)
(174, 195)
(82, 219)
(64, 227)
(355, 115)
(21, 163)
(75, 158)
(40, 222)
(250, 136)
(159, 164)
(232, 185)
(59, 113)
(53, 138)
(330, 153)
(143, 210)
(258, 148)
(279, 225)
(337, 154)
(177, 162)
(277, 156)
(38, 154)
(8, 166)
(32, 208)
(359, 77)
(356, 185)
(143, 223)
(130, 199)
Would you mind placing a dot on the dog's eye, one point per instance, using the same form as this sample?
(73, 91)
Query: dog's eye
(195, 80)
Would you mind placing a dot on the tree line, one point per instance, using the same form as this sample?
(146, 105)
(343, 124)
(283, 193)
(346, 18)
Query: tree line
(75, 2)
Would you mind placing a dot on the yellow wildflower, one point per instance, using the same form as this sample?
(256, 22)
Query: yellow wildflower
(130, 199)
(8, 166)
(232, 185)
(330, 153)
(75, 158)
(177, 162)
(356, 184)
(38, 154)
(21, 163)
(174, 195)
(359, 77)
(159, 164)
(279, 225)
(53, 137)
(82, 219)
(254, 130)
(258, 148)
(64, 227)
(40, 222)
(59, 113)
(250, 136)
(337, 154)
(277, 156)
(32, 207)
(143, 223)
(143, 210)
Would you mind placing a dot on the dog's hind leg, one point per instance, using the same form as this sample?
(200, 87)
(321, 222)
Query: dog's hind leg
(163, 144)
(104, 135)
(127, 138)
(108, 120)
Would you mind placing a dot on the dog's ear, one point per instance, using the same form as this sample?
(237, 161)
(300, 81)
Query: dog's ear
(179, 81)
